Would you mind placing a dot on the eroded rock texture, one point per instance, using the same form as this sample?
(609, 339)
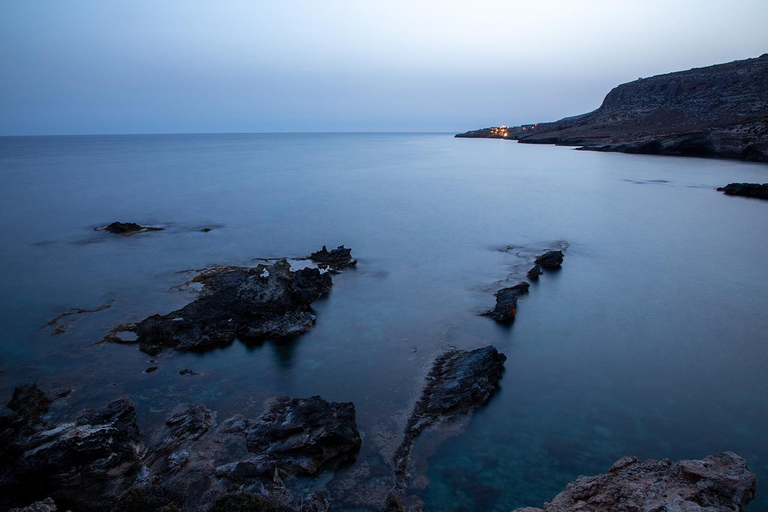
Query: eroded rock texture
(718, 483)
(251, 304)
(459, 382)
(334, 260)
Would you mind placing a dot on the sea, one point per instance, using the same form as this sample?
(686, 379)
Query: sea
(652, 340)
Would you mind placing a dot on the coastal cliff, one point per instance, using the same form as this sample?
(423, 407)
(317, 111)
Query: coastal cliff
(715, 111)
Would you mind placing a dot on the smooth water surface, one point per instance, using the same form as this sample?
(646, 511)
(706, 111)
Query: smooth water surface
(652, 340)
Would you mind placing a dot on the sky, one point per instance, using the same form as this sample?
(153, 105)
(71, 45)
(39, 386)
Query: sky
(190, 66)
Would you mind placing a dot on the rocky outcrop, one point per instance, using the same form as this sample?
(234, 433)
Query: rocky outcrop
(46, 505)
(718, 483)
(550, 260)
(251, 304)
(128, 228)
(98, 460)
(459, 382)
(754, 190)
(506, 303)
(334, 260)
(715, 111)
(82, 461)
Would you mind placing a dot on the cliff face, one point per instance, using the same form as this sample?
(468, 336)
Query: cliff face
(717, 111)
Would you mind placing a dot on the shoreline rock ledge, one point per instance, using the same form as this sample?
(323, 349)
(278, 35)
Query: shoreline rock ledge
(718, 483)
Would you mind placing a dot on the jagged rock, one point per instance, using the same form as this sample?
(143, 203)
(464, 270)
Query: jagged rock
(334, 260)
(506, 302)
(29, 402)
(715, 111)
(550, 260)
(718, 483)
(46, 505)
(459, 382)
(128, 228)
(755, 190)
(89, 458)
(185, 424)
(303, 434)
(269, 301)
(535, 272)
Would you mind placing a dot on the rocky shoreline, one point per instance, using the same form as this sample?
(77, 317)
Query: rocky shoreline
(716, 111)
(99, 459)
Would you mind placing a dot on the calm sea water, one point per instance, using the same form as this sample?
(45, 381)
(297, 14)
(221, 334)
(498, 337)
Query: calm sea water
(652, 340)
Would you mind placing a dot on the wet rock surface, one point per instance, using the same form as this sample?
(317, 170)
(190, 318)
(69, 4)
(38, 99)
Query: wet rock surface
(81, 461)
(128, 228)
(335, 259)
(550, 260)
(755, 190)
(459, 382)
(506, 302)
(718, 483)
(251, 304)
(98, 460)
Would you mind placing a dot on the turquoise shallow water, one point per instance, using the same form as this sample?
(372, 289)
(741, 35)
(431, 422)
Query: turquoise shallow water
(651, 341)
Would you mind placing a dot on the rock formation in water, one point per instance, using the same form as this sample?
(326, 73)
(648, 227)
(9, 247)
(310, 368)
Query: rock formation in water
(334, 260)
(715, 111)
(718, 483)
(99, 460)
(754, 190)
(251, 304)
(459, 382)
(128, 228)
(505, 309)
(506, 302)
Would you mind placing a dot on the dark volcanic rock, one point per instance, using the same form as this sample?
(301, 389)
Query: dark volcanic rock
(715, 111)
(506, 302)
(128, 228)
(550, 260)
(755, 190)
(535, 272)
(46, 505)
(334, 260)
(459, 382)
(29, 402)
(83, 461)
(300, 436)
(720, 483)
(251, 304)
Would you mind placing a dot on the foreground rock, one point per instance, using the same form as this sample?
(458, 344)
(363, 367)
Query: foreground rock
(46, 505)
(98, 460)
(718, 483)
(83, 461)
(334, 260)
(715, 111)
(251, 304)
(460, 381)
(128, 228)
(755, 190)
(506, 303)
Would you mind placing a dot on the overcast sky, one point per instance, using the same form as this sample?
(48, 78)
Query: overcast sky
(175, 66)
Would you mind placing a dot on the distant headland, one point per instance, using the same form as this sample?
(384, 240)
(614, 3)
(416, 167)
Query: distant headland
(715, 111)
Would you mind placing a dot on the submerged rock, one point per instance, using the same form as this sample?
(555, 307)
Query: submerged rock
(719, 482)
(334, 260)
(459, 382)
(251, 304)
(128, 228)
(754, 190)
(506, 303)
(550, 260)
